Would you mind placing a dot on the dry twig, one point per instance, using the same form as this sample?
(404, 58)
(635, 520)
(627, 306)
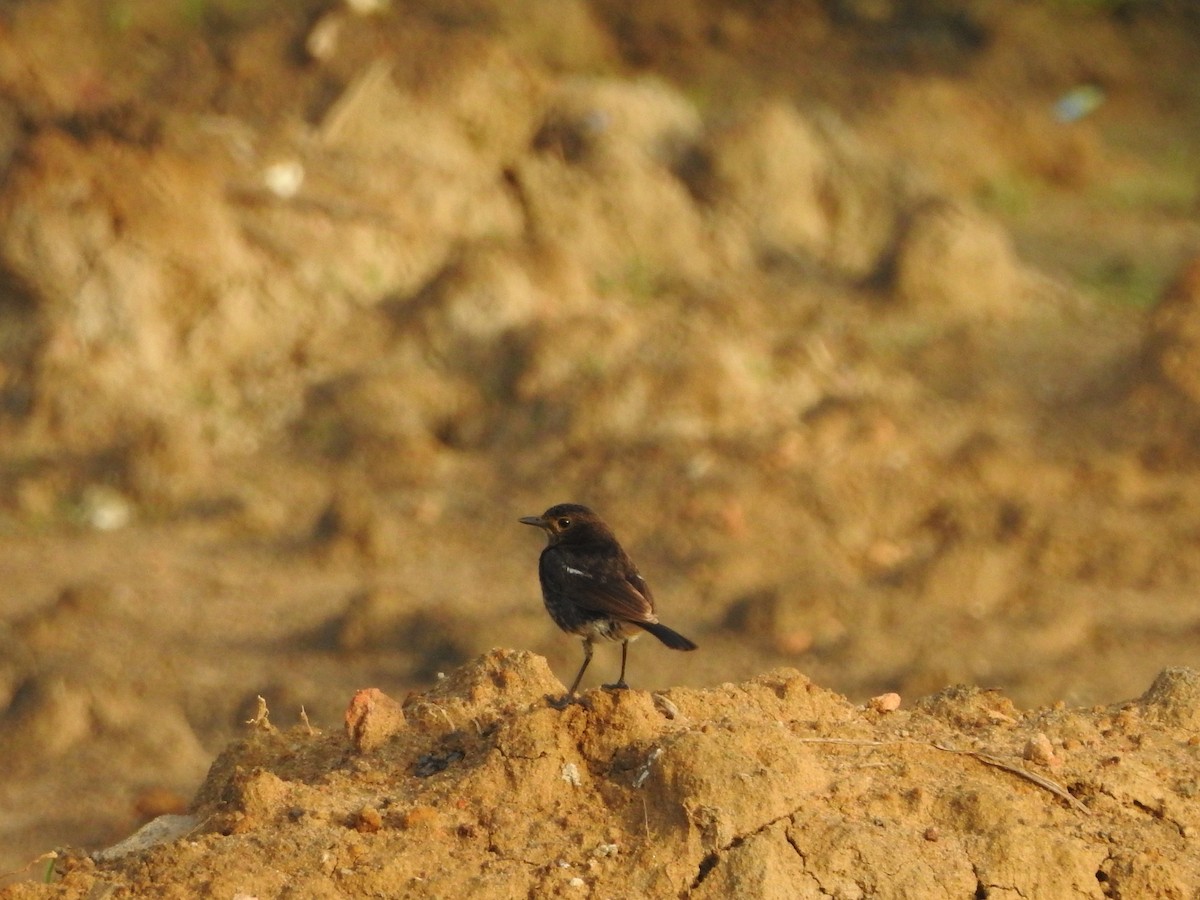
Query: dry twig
(987, 759)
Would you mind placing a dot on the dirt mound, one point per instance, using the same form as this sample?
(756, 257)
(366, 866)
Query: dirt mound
(1173, 337)
(770, 788)
(393, 263)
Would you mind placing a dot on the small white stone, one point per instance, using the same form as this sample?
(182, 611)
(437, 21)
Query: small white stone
(322, 39)
(284, 178)
(162, 830)
(105, 508)
(666, 707)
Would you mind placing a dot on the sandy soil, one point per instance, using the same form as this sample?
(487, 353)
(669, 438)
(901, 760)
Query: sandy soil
(771, 788)
(881, 371)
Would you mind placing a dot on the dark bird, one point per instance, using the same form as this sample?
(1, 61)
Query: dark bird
(592, 588)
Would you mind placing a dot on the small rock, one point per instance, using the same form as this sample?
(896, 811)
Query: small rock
(371, 718)
(322, 40)
(885, 703)
(368, 820)
(105, 508)
(1039, 750)
(162, 830)
(1174, 698)
(284, 178)
(666, 707)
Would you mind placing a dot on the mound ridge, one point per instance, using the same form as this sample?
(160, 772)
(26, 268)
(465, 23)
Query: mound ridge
(774, 787)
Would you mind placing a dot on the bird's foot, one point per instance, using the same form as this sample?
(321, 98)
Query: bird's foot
(564, 701)
(619, 686)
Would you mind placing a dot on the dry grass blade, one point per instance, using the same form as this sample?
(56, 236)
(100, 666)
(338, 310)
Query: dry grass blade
(1040, 780)
(1020, 771)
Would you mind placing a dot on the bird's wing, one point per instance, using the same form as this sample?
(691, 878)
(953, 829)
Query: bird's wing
(622, 596)
(635, 579)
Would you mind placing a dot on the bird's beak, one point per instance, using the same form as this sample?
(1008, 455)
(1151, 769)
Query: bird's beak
(536, 521)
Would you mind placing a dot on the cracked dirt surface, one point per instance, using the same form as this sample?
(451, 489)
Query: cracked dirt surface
(771, 788)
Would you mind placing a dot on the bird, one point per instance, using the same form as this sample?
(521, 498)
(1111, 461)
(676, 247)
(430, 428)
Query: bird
(592, 588)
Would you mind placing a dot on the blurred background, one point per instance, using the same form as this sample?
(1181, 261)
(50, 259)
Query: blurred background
(871, 326)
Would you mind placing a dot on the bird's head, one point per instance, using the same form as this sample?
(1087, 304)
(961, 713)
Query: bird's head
(570, 523)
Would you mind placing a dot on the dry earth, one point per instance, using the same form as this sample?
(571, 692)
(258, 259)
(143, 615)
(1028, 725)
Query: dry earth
(771, 788)
(883, 372)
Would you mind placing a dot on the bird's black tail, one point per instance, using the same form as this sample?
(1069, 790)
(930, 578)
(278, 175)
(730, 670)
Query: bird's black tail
(672, 639)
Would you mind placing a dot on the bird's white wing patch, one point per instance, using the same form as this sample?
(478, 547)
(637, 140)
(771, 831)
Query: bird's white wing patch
(573, 571)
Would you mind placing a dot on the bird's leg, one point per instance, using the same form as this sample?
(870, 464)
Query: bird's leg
(621, 685)
(569, 697)
(587, 658)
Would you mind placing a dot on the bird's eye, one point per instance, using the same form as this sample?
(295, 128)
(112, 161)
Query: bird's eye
(564, 522)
